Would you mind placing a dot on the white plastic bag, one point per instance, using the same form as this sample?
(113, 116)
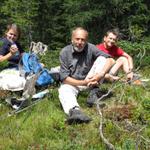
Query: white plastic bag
(10, 79)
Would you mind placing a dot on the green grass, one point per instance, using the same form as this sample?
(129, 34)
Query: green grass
(44, 127)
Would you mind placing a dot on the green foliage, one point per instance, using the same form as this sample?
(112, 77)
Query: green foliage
(21, 13)
(43, 125)
(51, 21)
(129, 144)
(146, 104)
(136, 32)
(140, 51)
(3, 65)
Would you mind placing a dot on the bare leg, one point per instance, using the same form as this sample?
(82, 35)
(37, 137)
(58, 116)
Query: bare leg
(121, 62)
(125, 66)
(111, 76)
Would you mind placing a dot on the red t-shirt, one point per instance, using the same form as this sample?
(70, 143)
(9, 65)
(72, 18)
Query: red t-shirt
(114, 51)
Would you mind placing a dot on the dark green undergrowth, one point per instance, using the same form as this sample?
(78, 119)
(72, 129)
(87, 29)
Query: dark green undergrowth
(126, 118)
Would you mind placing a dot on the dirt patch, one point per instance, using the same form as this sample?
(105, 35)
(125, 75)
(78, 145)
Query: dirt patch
(119, 112)
(4, 94)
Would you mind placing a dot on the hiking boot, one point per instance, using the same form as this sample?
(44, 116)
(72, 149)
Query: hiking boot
(95, 93)
(77, 117)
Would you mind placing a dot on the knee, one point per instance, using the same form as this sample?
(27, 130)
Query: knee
(112, 61)
(122, 60)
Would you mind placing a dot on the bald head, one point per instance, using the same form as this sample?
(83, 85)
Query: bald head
(80, 30)
(79, 38)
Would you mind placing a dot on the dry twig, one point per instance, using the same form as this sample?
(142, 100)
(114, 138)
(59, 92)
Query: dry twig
(108, 144)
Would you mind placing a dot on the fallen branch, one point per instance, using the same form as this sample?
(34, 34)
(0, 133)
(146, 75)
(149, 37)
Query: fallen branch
(139, 130)
(148, 141)
(108, 144)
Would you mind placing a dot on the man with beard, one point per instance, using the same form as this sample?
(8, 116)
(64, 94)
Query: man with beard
(82, 67)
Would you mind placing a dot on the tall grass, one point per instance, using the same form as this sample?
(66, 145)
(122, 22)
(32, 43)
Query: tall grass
(43, 127)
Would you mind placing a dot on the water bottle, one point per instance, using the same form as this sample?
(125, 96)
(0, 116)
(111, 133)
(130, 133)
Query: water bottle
(40, 94)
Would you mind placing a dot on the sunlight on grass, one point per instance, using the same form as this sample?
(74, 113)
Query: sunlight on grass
(43, 126)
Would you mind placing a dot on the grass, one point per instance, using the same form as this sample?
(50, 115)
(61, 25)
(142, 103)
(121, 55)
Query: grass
(42, 127)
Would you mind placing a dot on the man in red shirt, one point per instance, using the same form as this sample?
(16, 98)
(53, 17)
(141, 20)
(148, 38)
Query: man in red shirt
(121, 58)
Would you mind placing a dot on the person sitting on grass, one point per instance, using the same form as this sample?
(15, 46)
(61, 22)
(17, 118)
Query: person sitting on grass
(121, 58)
(82, 66)
(10, 48)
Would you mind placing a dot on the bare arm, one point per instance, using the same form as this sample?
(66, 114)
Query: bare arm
(6, 57)
(100, 75)
(13, 50)
(130, 61)
(75, 82)
(93, 80)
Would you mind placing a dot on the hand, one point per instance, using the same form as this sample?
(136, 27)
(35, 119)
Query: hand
(92, 84)
(13, 49)
(92, 81)
(129, 76)
(98, 76)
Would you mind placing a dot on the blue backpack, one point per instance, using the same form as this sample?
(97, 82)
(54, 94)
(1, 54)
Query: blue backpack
(30, 64)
